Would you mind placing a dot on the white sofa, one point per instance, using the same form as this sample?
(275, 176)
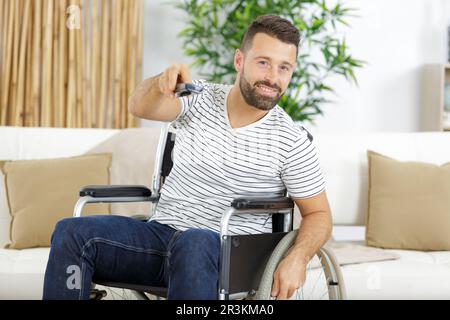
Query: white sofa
(22, 271)
(416, 275)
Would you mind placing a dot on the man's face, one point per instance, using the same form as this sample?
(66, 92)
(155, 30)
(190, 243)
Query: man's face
(264, 71)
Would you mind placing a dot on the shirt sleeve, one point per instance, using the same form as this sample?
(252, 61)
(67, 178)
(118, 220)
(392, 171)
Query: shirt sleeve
(301, 172)
(187, 106)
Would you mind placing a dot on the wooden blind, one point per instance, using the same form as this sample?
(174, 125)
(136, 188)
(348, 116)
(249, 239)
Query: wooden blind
(69, 63)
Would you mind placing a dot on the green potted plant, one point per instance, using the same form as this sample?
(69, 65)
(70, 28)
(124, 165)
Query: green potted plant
(215, 29)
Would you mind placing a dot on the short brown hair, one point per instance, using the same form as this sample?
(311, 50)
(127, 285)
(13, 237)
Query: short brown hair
(274, 26)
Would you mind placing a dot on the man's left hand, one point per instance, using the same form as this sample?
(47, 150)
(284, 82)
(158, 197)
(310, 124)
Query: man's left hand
(289, 276)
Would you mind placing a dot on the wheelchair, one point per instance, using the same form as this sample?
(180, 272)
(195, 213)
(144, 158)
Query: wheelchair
(247, 262)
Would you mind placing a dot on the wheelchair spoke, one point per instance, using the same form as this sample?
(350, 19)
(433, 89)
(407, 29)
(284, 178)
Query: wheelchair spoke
(316, 285)
(318, 278)
(118, 294)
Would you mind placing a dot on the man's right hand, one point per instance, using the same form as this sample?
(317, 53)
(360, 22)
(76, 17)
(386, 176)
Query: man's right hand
(176, 73)
(154, 98)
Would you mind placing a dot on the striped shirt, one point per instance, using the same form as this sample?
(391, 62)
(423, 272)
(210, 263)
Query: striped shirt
(215, 163)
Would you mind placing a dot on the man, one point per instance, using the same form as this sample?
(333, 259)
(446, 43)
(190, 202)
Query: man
(232, 141)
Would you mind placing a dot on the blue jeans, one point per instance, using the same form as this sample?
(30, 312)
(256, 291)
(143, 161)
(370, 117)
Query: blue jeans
(122, 249)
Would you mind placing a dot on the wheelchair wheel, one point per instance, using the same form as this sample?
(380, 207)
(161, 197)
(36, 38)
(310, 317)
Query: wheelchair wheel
(323, 275)
(99, 292)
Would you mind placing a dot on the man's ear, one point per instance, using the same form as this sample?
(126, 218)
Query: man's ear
(238, 60)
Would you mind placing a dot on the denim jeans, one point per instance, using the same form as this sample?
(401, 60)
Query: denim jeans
(122, 249)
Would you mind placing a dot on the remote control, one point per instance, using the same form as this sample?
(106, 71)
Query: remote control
(185, 89)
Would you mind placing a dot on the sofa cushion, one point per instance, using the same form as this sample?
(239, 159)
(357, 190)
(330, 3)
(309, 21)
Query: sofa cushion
(41, 192)
(343, 158)
(409, 204)
(22, 273)
(134, 152)
(415, 276)
(22, 276)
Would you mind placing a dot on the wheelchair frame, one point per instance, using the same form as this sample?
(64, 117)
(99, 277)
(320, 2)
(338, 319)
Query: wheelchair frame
(279, 207)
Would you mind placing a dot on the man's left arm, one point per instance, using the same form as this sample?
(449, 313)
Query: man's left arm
(314, 231)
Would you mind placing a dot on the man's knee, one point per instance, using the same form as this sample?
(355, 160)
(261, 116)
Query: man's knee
(71, 230)
(64, 227)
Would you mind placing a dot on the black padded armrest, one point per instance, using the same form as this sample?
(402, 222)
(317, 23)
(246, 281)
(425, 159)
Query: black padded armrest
(108, 191)
(263, 203)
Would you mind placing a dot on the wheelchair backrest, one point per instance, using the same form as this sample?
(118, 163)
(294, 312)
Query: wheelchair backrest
(167, 163)
(163, 157)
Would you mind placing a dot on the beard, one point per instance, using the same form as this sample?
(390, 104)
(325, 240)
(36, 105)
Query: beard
(253, 98)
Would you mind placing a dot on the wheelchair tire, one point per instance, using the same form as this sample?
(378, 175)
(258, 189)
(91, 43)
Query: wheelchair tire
(326, 270)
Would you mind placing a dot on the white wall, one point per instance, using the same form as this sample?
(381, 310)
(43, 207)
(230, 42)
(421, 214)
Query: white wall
(396, 37)
(162, 47)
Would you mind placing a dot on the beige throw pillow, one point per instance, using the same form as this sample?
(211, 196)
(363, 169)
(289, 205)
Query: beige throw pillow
(5, 217)
(409, 204)
(42, 192)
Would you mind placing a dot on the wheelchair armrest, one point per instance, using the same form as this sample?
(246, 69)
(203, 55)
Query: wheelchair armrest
(263, 203)
(110, 191)
(114, 193)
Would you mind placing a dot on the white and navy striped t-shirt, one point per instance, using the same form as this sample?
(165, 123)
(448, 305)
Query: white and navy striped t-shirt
(214, 163)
